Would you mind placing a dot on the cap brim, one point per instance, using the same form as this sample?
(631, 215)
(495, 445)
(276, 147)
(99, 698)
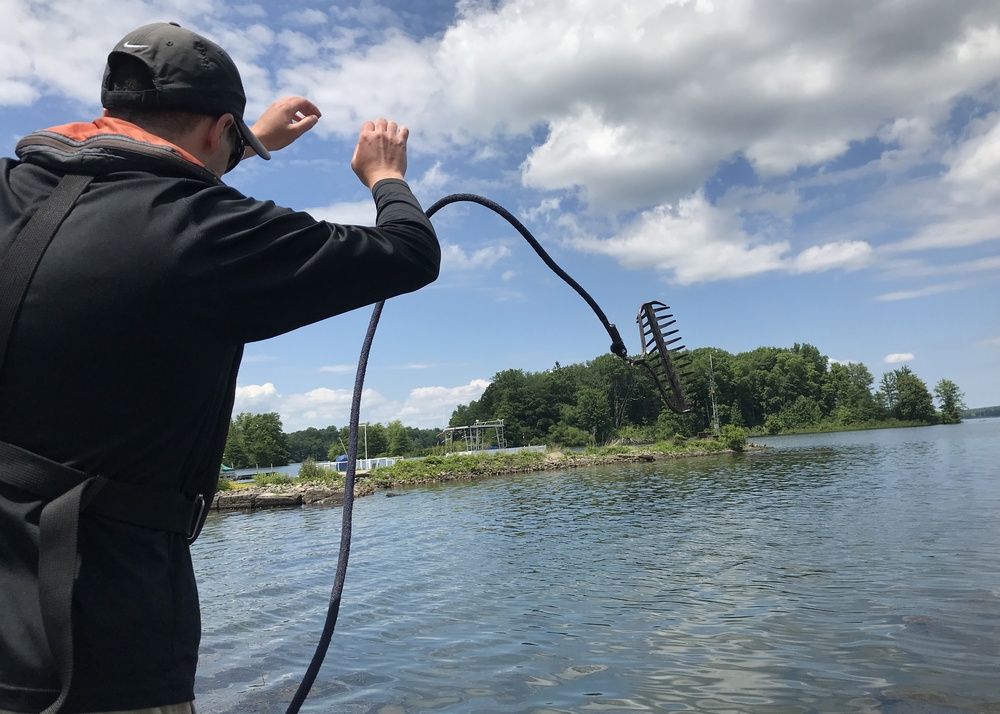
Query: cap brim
(252, 141)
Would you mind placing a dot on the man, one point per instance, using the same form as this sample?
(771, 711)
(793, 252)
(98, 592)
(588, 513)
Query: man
(118, 379)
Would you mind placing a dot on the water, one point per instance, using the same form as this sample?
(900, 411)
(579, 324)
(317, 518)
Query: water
(855, 572)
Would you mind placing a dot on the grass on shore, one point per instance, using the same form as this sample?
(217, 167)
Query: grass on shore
(443, 468)
(825, 427)
(437, 468)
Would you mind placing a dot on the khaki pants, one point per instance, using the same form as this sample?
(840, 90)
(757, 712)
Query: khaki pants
(186, 708)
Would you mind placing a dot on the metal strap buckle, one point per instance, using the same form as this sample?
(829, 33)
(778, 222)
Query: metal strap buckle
(199, 500)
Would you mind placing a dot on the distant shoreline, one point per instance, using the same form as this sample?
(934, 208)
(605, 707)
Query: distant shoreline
(292, 495)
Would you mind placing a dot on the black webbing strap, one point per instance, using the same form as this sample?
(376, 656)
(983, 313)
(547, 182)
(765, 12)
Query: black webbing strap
(58, 524)
(18, 266)
(69, 492)
(154, 508)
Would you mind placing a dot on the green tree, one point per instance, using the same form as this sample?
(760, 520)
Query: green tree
(235, 454)
(619, 384)
(258, 440)
(593, 413)
(888, 395)
(339, 444)
(905, 396)
(563, 434)
(423, 441)
(397, 438)
(847, 393)
(952, 401)
(804, 412)
(311, 443)
(373, 440)
(733, 437)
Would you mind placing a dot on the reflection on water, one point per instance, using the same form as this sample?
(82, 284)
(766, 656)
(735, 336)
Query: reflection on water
(847, 572)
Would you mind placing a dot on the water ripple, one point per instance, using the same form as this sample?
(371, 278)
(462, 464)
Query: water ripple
(848, 573)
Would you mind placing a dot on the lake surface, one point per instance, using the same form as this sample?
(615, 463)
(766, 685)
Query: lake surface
(851, 572)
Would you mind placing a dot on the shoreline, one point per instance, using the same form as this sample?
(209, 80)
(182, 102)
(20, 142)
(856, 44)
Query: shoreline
(292, 495)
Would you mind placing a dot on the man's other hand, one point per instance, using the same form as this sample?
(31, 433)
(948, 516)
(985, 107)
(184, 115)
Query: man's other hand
(381, 152)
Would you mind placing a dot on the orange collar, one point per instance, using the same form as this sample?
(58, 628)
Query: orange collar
(108, 126)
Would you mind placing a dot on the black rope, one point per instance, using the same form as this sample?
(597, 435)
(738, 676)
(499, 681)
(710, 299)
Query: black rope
(617, 347)
(333, 609)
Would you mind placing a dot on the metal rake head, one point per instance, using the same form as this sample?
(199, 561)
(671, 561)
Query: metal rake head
(666, 364)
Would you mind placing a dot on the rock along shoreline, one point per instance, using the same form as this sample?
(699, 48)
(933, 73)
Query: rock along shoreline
(255, 498)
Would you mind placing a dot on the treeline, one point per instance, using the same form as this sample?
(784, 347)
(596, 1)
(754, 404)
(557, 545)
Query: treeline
(981, 413)
(766, 390)
(769, 390)
(258, 440)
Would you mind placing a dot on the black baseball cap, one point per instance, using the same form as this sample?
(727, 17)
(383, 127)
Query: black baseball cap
(189, 73)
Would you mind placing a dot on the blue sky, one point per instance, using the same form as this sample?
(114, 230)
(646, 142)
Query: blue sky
(777, 172)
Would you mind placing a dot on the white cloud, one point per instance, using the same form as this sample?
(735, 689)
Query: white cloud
(547, 207)
(13, 92)
(693, 240)
(323, 407)
(454, 257)
(431, 181)
(258, 358)
(339, 368)
(951, 233)
(308, 17)
(640, 102)
(974, 174)
(781, 204)
(843, 254)
(433, 406)
(486, 153)
(354, 213)
(298, 45)
(343, 84)
(256, 398)
(616, 166)
(925, 291)
(898, 358)
(910, 138)
(251, 10)
(424, 407)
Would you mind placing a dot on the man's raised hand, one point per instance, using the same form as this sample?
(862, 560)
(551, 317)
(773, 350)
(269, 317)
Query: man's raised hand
(381, 152)
(284, 121)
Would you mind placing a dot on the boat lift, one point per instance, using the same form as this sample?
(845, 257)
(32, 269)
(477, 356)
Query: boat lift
(477, 436)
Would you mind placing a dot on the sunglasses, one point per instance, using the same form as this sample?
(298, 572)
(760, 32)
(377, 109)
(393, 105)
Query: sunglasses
(239, 148)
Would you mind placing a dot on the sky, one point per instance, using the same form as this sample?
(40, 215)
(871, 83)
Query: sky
(777, 171)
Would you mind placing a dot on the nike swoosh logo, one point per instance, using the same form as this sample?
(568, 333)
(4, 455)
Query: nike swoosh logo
(130, 46)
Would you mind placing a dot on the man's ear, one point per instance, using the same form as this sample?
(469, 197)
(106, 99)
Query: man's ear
(217, 132)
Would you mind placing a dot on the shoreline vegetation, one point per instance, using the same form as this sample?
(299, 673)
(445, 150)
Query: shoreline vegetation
(316, 485)
(768, 390)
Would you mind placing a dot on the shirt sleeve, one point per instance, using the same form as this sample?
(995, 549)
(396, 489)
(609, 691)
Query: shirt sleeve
(273, 269)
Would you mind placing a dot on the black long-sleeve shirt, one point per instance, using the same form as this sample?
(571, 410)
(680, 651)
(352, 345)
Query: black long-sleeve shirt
(123, 364)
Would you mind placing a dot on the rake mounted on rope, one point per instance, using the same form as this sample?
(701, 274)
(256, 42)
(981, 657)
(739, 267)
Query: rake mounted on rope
(667, 365)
